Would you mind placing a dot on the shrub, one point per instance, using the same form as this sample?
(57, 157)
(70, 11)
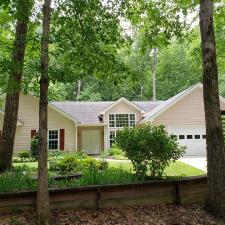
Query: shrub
(24, 155)
(34, 147)
(150, 149)
(103, 165)
(72, 164)
(114, 151)
(68, 164)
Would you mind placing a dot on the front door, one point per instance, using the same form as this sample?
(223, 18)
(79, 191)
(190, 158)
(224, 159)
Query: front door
(91, 141)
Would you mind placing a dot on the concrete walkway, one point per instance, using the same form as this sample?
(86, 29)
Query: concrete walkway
(197, 162)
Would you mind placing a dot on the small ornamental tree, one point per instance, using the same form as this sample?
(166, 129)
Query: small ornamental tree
(150, 149)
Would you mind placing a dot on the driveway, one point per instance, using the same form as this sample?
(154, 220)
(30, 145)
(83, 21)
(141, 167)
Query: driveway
(195, 161)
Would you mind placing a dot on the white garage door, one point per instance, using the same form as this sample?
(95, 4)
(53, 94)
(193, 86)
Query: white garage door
(193, 137)
(91, 141)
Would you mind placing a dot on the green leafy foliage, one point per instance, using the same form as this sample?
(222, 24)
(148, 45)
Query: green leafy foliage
(93, 176)
(108, 176)
(17, 179)
(114, 153)
(24, 155)
(149, 148)
(34, 147)
(72, 164)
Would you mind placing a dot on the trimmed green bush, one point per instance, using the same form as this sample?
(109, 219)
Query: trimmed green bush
(150, 149)
(34, 147)
(24, 155)
(72, 164)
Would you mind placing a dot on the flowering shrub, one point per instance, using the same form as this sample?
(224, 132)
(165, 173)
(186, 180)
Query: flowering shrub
(150, 149)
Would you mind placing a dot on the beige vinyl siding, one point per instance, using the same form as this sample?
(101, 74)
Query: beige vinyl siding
(29, 114)
(122, 108)
(187, 111)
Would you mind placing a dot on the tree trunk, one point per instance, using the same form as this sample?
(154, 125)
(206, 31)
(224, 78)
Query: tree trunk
(154, 67)
(79, 84)
(214, 132)
(43, 210)
(14, 87)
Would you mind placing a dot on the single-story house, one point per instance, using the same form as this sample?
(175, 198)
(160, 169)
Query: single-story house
(91, 126)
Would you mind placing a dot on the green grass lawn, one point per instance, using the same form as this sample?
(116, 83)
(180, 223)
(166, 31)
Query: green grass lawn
(177, 169)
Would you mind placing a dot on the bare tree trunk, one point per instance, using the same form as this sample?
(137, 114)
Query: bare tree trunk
(154, 67)
(43, 208)
(214, 132)
(142, 88)
(79, 84)
(14, 87)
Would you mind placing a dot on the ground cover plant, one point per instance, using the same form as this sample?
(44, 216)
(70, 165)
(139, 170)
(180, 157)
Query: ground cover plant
(114, 153)
(19, 178)
(150, 149)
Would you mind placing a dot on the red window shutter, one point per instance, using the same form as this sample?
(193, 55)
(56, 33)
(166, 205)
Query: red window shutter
(33, 133)
(62, 139)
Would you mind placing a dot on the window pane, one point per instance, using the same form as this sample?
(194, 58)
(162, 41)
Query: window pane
(53, 145)
(181, 137)
(53, 140)
(132, 120)
(122, 120)
(189, 136)
(112, 136)
(174, 137)
(197, 136)
(111, 120)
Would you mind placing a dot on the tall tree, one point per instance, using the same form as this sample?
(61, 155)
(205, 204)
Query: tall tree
(23, 10)
(43, 209)
(154, 69)
(214, 131)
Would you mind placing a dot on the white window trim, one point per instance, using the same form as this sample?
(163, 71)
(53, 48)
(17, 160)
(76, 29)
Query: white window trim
(115, 130)
(52, 150)
(115, 119)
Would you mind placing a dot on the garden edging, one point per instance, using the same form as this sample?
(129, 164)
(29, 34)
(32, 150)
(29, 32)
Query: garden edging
(184, 191)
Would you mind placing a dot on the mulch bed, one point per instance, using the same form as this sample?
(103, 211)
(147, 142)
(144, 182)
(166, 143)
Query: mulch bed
(153, 215)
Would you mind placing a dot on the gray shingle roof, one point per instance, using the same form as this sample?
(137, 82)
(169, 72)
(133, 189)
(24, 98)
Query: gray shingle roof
(88, 112)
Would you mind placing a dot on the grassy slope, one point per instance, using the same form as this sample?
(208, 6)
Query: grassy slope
(175, 169)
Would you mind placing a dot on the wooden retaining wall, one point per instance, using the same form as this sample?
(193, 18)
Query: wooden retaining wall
(184, 191)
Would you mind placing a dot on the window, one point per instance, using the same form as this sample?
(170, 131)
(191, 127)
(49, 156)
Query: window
(181, 137)
(111, 120)
(112, 136)
(53, 139)
(189, 136)
(203, 136)
(132, 120)
(121, 120)
(197, 136)
(174, 137)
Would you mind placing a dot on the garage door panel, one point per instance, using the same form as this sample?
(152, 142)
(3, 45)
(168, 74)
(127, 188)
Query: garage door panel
(193, 137)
